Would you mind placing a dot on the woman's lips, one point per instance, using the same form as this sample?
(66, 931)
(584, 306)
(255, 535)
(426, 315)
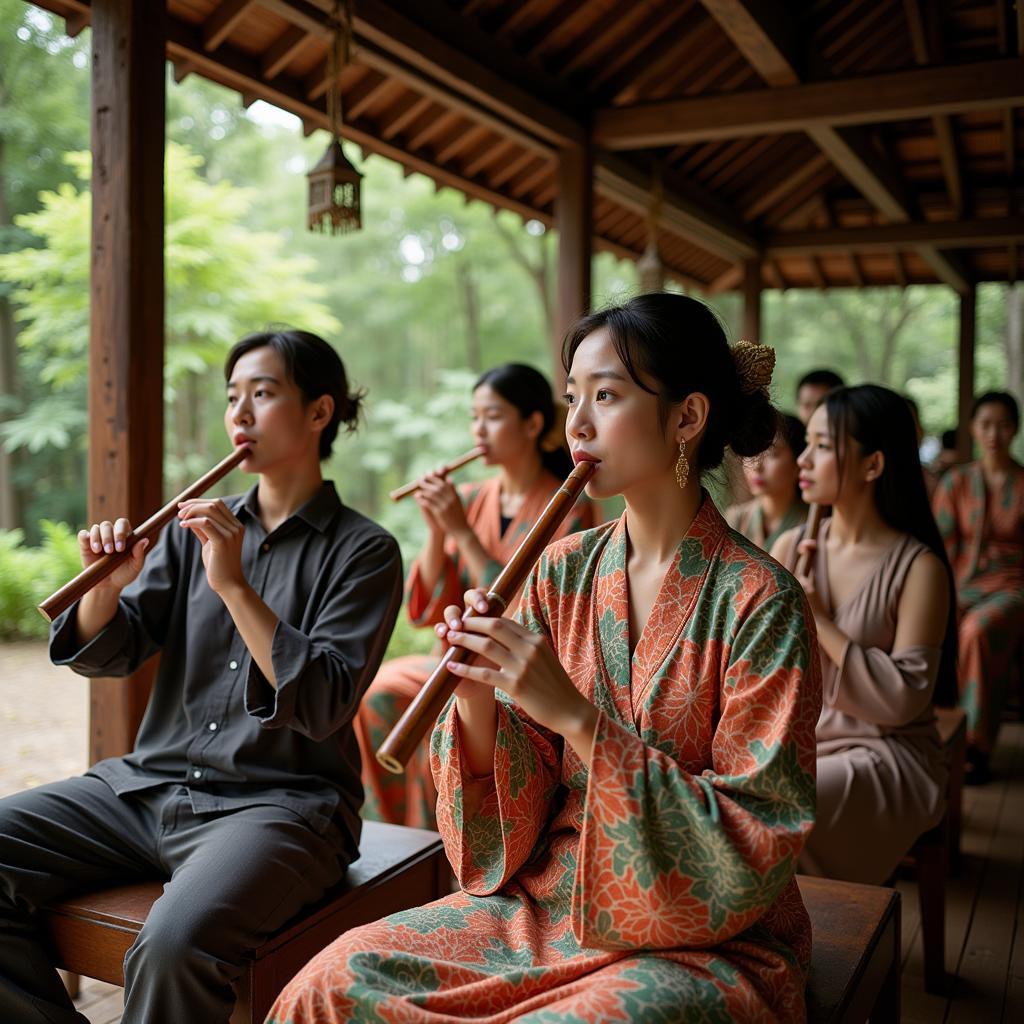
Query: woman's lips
(579, 457)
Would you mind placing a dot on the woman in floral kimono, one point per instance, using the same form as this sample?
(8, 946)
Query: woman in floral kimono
(980, 511)
(626, 780)
(776, 505)
(880, 588)
(471, 533)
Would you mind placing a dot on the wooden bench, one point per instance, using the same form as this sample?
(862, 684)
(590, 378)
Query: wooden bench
(398, 868)
(855, 953)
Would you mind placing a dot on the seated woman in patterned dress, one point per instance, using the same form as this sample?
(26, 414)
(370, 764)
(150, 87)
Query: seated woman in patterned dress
(471, 532)
(776, 505)
(880, 588)
(626, 780)
(980, 511)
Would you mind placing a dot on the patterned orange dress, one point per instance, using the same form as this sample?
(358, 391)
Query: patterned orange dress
(984, 537)
(659, 884)
(409, 798)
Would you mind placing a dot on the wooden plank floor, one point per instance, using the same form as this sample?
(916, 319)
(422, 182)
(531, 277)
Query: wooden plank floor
(984, 914)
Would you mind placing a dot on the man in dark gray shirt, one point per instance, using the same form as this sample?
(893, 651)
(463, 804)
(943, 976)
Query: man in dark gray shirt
(271, 612)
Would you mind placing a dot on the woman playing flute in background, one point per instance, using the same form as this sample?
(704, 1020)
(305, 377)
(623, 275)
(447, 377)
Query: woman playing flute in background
(271, 611)
(471, 532)
(627, 777)
(776, 505)
(880, 588)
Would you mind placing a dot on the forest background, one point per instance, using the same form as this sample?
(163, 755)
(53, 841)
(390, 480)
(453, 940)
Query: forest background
(433, 290)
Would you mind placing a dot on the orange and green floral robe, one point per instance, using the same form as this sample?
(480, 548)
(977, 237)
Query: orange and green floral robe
(984, 537)
(659, 884)
(408, 799)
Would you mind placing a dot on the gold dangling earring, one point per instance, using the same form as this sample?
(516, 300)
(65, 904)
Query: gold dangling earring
(682, 467)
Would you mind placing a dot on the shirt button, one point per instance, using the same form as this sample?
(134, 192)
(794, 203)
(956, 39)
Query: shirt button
(196, 773)
(232, 664)
(212, 727)
(265, 547)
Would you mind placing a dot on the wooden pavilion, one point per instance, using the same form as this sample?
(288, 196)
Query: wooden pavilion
(805, 144)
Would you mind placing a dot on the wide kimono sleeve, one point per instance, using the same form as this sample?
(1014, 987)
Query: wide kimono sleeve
(673, 860)
(323, 666)
(491, 824)
(139, 626)
(945, 510)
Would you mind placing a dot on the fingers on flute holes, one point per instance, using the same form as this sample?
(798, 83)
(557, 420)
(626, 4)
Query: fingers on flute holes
(107, 535)
(121, 530)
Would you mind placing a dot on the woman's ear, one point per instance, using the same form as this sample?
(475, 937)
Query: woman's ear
(534, 424)
(874, 466)
(692, 416)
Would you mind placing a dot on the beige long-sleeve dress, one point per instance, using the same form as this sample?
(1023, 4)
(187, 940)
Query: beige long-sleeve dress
(881, 773)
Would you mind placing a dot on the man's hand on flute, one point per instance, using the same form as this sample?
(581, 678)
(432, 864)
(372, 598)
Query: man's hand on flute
(97, 607)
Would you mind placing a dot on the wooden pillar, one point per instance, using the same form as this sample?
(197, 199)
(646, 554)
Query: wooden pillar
(752, 300)
(126, 326)
(574, 215)
(968, 325)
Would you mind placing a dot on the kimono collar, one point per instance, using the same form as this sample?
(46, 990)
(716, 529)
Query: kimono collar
(672, 608)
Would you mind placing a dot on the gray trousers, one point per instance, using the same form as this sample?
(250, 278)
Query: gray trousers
(234, 878)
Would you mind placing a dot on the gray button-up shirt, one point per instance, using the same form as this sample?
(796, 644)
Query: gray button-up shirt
(214, 724)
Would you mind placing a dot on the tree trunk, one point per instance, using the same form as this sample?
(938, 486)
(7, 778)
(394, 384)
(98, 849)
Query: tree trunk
(471, 309)
(1015, 339)
(10, 500)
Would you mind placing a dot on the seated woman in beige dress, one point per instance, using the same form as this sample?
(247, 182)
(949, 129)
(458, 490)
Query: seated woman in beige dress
(880, 588)
(776, 505)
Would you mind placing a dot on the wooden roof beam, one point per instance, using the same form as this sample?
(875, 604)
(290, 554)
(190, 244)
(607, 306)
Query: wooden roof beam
(969, 234)
(219, 25)
(284, 50)
(893, 96)
(693, 217)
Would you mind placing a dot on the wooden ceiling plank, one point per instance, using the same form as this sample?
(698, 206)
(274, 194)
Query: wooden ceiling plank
(764, 33)
(967, 234)
(219, 25)
(891, 96)
(487, 155)
(361, 97)
(430, 128)
(817, 274)
(411, 106)
(462, 138)
(794, 174)
(284, 50)
(512, 168)
(899, 268)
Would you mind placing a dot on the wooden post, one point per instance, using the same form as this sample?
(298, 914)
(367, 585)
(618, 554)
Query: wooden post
(968, 308)
(126, 326)
(574, 212)
(752, 300)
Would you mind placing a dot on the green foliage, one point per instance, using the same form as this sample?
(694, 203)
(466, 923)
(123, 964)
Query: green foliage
(29, 575)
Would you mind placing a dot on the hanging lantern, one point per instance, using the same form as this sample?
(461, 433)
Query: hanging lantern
(649, 268)
(334, 204)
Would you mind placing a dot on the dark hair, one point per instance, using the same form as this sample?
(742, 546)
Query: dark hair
(315, 368)
(880, 420)
(529, 391)
(1003, 398)
(793, 432)
(949, 438)
(679, 344)
(821, 378)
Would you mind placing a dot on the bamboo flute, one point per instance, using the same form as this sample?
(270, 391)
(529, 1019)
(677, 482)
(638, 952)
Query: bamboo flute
(420, 715)
(448, 467)
(803, 562)
(74, 589)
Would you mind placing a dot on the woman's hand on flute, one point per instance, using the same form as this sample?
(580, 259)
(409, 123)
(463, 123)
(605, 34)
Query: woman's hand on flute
(221, 535)
(108, 538)
(521, 663)
(806, 550)
(441, 505)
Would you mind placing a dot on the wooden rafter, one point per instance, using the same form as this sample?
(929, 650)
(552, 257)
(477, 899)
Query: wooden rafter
(893, 96)
(219, 25)
(284, 50)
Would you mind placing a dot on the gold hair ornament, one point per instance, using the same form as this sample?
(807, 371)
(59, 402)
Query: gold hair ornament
(754, 365)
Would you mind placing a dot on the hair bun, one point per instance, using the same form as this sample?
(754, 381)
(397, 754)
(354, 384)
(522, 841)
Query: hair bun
(754, 366)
